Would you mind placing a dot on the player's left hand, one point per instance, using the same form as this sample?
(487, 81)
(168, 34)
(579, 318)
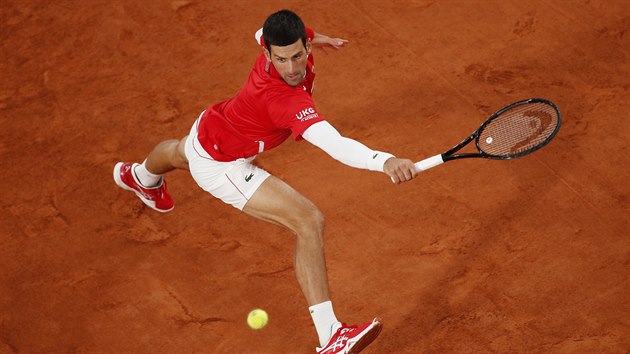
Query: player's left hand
(400, 170)
(322, 42)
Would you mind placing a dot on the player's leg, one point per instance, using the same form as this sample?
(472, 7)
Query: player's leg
(276, 202)
(167, 156)
(146, 180)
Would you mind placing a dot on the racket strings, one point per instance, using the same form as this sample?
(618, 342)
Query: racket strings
(518, 130)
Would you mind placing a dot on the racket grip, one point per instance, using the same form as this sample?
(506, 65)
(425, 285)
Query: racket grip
(429, 163)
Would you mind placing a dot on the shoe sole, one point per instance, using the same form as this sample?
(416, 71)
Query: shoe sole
(122, 185)
(367, 338)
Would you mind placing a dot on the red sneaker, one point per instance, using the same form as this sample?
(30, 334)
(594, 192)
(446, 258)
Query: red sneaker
(352, 339)
(156, 197)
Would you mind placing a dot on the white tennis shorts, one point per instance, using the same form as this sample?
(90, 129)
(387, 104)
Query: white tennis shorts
(233, 182)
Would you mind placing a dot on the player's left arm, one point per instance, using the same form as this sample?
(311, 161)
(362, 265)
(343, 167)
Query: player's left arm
(319, 40)
(322, 41)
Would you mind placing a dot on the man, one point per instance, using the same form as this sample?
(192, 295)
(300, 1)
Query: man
(274, 103)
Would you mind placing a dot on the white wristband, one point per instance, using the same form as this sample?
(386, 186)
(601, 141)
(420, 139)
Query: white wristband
(378, 161)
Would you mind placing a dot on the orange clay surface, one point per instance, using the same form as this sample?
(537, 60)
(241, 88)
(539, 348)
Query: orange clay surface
(477, 256)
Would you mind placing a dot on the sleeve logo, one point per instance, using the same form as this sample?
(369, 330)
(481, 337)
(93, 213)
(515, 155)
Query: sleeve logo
(306, 114)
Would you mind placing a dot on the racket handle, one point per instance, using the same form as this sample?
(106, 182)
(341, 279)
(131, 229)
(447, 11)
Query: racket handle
(429, 163)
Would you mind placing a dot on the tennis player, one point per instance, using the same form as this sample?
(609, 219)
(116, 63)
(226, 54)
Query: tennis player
(275, 103)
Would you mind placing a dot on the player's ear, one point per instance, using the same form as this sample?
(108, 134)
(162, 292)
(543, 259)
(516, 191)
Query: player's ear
(267, 54)
(309, 46)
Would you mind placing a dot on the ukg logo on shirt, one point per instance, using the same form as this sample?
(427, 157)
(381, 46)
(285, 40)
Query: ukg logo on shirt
(306, 114)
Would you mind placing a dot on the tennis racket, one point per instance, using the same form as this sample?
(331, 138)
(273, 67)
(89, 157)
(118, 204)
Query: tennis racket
(513, 131)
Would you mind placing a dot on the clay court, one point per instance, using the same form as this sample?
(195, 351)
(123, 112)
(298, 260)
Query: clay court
(476, 256)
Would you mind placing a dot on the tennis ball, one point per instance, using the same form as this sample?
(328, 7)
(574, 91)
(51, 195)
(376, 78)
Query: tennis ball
(257, 319)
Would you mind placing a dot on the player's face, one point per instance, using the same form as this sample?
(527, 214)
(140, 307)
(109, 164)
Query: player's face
(290, 61)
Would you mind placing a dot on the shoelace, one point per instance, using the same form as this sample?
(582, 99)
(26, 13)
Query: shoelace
(340, 342)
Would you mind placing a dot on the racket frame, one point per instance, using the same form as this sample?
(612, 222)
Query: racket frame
(450, 154)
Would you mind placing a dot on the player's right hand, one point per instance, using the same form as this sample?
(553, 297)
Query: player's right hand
(400, 170)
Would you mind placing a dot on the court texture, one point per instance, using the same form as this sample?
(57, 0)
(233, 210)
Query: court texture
(524, 256)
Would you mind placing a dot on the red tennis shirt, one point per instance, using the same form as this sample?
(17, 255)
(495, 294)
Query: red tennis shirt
(264, 113)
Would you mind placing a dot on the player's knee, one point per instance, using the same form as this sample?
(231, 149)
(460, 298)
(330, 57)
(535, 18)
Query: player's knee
(316, 220)
(181, 148)
(178, 156)
(310, 222)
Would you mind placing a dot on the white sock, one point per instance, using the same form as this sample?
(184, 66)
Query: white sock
(324, 319)
(146, 178)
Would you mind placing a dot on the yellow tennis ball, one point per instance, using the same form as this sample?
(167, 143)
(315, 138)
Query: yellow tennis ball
(257, 319)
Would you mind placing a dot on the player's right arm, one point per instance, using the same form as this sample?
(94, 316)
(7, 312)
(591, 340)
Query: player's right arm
(354, 154)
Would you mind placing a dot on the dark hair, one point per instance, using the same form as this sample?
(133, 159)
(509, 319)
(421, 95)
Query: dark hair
(283, 28)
